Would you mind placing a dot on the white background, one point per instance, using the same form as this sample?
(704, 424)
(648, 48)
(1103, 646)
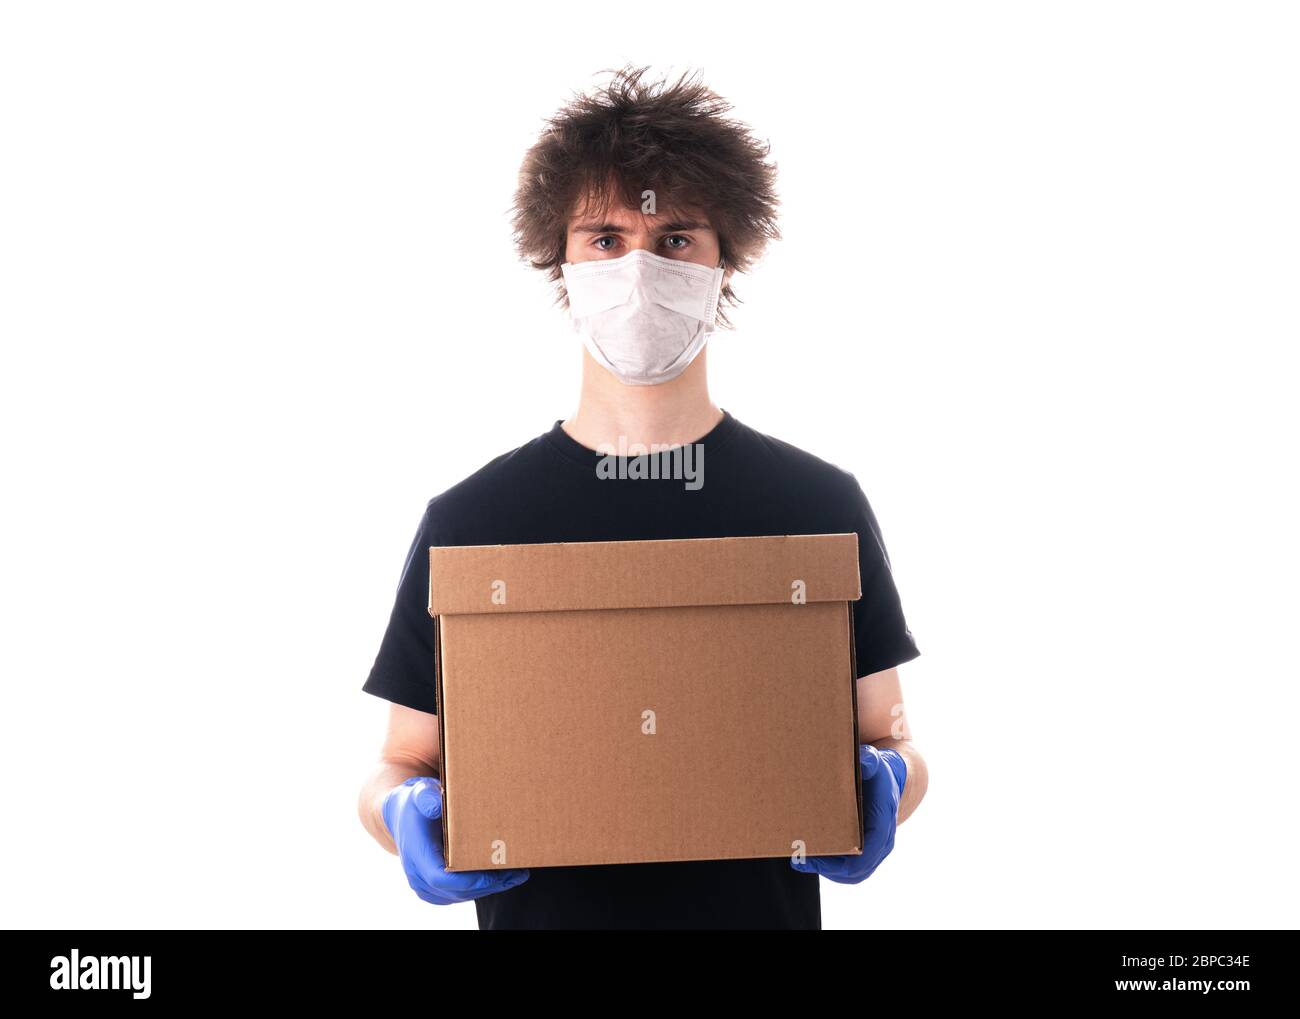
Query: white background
(1037, 289)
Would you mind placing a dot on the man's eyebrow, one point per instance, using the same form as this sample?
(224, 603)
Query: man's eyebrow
(677, 226)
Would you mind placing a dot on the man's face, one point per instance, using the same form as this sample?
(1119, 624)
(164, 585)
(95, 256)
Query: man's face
(672, 233)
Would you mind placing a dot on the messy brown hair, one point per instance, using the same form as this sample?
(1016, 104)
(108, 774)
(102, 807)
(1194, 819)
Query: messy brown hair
(633, 135)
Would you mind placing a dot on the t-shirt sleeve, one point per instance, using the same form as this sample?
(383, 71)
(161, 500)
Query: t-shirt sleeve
(403, 671)
(880, 632)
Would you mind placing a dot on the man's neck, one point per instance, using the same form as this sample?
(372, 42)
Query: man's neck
(671, 413)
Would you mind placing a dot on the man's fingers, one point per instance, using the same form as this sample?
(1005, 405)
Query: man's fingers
(465, 881)
(833, 867)
(471, 884)
(869, 758)
(428, 798)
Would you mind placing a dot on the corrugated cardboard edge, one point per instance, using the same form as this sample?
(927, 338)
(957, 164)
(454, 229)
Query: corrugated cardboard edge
(442, 735)
(857, 734)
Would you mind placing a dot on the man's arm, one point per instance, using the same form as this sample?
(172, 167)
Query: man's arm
(883, 723)
(410, 748)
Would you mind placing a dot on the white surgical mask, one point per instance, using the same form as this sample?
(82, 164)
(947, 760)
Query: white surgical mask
(642, 316)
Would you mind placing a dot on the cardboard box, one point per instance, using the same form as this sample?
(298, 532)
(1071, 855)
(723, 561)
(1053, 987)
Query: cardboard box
(638, 701)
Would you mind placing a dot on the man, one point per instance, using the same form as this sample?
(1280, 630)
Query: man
(643, 199)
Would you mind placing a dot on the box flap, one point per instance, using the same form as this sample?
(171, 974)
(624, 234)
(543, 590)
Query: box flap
(766, 569)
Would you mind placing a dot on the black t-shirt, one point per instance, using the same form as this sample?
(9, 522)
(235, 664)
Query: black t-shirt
(741, 482)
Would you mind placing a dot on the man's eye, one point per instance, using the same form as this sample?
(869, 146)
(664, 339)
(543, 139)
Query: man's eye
(686, 242)
(604, 247)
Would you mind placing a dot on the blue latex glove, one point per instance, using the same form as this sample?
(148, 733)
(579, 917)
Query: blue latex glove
(884, 774)
(412, 811)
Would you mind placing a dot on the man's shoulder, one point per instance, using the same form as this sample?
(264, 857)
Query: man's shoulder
(796, 462)
(503, 470)
(503, 478)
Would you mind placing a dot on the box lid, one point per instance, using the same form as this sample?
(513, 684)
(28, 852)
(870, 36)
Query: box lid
(554, 576)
